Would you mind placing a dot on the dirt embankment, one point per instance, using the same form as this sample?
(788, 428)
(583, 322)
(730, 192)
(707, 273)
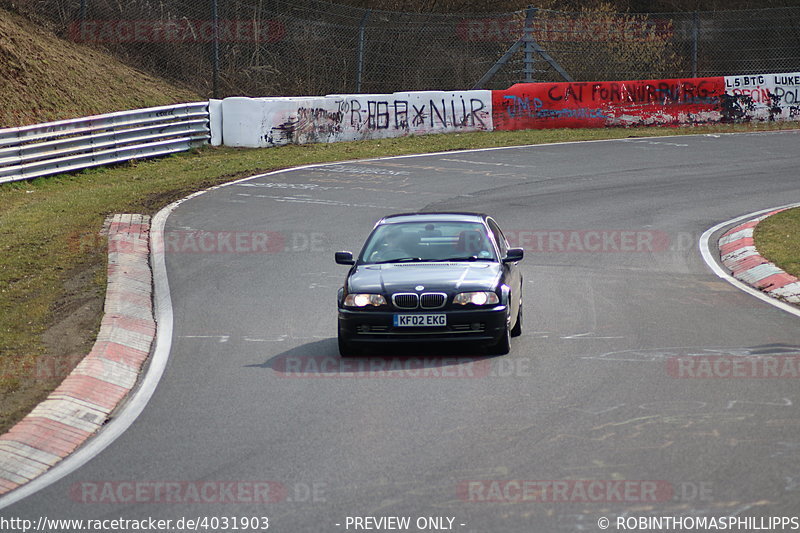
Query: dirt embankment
(45, 78)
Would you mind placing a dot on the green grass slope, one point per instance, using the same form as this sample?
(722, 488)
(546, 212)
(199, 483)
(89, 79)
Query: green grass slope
(45, 78)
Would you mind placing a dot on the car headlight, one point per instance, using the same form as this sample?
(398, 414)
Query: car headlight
(476, 298)
(363, 300)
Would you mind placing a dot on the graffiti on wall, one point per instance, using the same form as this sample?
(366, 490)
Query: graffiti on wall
(764, 97)
(601, 104)
(260, 122)
(332, 119)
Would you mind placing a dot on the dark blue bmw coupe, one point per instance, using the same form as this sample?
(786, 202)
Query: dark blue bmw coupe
(431, 277)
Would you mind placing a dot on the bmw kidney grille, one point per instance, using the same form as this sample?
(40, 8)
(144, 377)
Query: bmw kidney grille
(426, 300)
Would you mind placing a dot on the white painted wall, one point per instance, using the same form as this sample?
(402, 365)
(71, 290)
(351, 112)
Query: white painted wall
(215, 121)
(764, 97)
(264, 122)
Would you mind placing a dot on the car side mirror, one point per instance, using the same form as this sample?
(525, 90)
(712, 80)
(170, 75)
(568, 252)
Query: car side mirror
(344, 258)
(513, 255)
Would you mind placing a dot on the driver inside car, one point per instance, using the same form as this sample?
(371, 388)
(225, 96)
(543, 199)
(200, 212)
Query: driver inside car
(393, 247)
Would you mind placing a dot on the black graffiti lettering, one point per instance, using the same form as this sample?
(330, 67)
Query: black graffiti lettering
(318, 115)
(553, 97)
(683, 92)
(318, 122)
(442, 116)
(355, 111)
(312, 124)
(378, 115)
(786, 80)
(419, 115)
(573, 94)
(401, 114)
(453, 114)
(578, 95)
(474, 111)
(744, 81)
(572, 91)
(787, 96)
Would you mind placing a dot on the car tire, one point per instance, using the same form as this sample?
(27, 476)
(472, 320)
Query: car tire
(516, 331)
(503, 345)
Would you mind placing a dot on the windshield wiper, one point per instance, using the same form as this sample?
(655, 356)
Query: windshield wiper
(401, 260)
(470, 258)
(421, 260)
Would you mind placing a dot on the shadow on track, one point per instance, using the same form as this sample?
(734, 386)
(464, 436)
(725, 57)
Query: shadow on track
(321, 359)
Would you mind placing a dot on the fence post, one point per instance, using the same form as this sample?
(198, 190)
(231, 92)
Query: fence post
(82, 17)
(360, 59)
(215, 49)
(695, 37)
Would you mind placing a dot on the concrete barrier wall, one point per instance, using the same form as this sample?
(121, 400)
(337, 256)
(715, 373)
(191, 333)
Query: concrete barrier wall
(765, 97)
(264, 122)
(605, 104)
(215, 121)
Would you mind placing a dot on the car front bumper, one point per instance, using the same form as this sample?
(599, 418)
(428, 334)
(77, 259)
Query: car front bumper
(482, 325)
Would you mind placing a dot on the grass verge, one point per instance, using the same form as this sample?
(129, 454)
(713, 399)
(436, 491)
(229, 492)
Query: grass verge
(52, 260)
(778, 239)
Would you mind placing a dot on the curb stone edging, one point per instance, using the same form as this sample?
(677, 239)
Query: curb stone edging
(86, 398)
(739, 254)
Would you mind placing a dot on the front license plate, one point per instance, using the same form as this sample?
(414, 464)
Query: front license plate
(417, 321)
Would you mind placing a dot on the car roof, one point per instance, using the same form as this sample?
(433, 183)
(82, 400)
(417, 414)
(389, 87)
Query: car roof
(438, 216)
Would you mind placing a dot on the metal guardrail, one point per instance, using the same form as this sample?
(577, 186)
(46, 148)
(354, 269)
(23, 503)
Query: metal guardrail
(29, 152)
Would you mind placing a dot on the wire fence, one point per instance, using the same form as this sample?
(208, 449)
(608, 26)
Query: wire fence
(312, 47)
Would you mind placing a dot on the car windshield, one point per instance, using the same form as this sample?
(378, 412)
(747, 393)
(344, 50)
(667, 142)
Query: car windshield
(428, 241)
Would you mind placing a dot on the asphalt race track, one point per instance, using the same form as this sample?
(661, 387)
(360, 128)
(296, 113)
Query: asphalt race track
(616, 295)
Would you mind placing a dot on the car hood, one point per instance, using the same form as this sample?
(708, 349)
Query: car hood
(444, 277)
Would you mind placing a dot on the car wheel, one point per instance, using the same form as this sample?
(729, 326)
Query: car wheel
(346, 347)
(503, 346)
(516, 331)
